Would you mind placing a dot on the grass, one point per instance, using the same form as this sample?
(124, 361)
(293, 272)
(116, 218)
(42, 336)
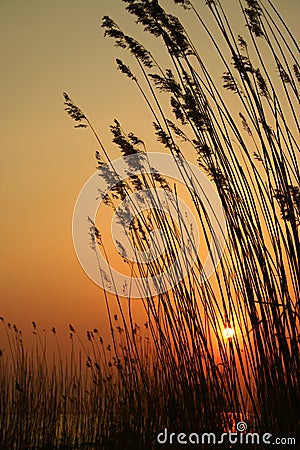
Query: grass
(180, 372)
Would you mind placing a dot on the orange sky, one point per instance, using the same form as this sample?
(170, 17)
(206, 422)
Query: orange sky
(48, 47)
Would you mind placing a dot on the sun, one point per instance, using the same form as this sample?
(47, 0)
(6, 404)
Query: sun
(228, 332)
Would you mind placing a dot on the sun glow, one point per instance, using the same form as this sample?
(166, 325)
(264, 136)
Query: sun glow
(228, 332)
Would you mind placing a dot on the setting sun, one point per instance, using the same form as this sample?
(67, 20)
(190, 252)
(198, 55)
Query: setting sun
(228, 332)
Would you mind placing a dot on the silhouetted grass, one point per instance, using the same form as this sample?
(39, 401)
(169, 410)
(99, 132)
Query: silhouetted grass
(183, 374)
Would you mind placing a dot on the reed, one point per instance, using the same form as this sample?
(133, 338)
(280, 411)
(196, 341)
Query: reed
(180, 372)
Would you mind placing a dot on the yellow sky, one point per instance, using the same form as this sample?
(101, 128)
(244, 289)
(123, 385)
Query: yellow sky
(48, 47)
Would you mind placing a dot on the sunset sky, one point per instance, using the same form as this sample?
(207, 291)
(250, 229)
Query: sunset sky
(48, 47)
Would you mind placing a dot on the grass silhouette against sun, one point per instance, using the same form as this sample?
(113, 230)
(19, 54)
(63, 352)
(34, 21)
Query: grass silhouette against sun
(180, 371)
